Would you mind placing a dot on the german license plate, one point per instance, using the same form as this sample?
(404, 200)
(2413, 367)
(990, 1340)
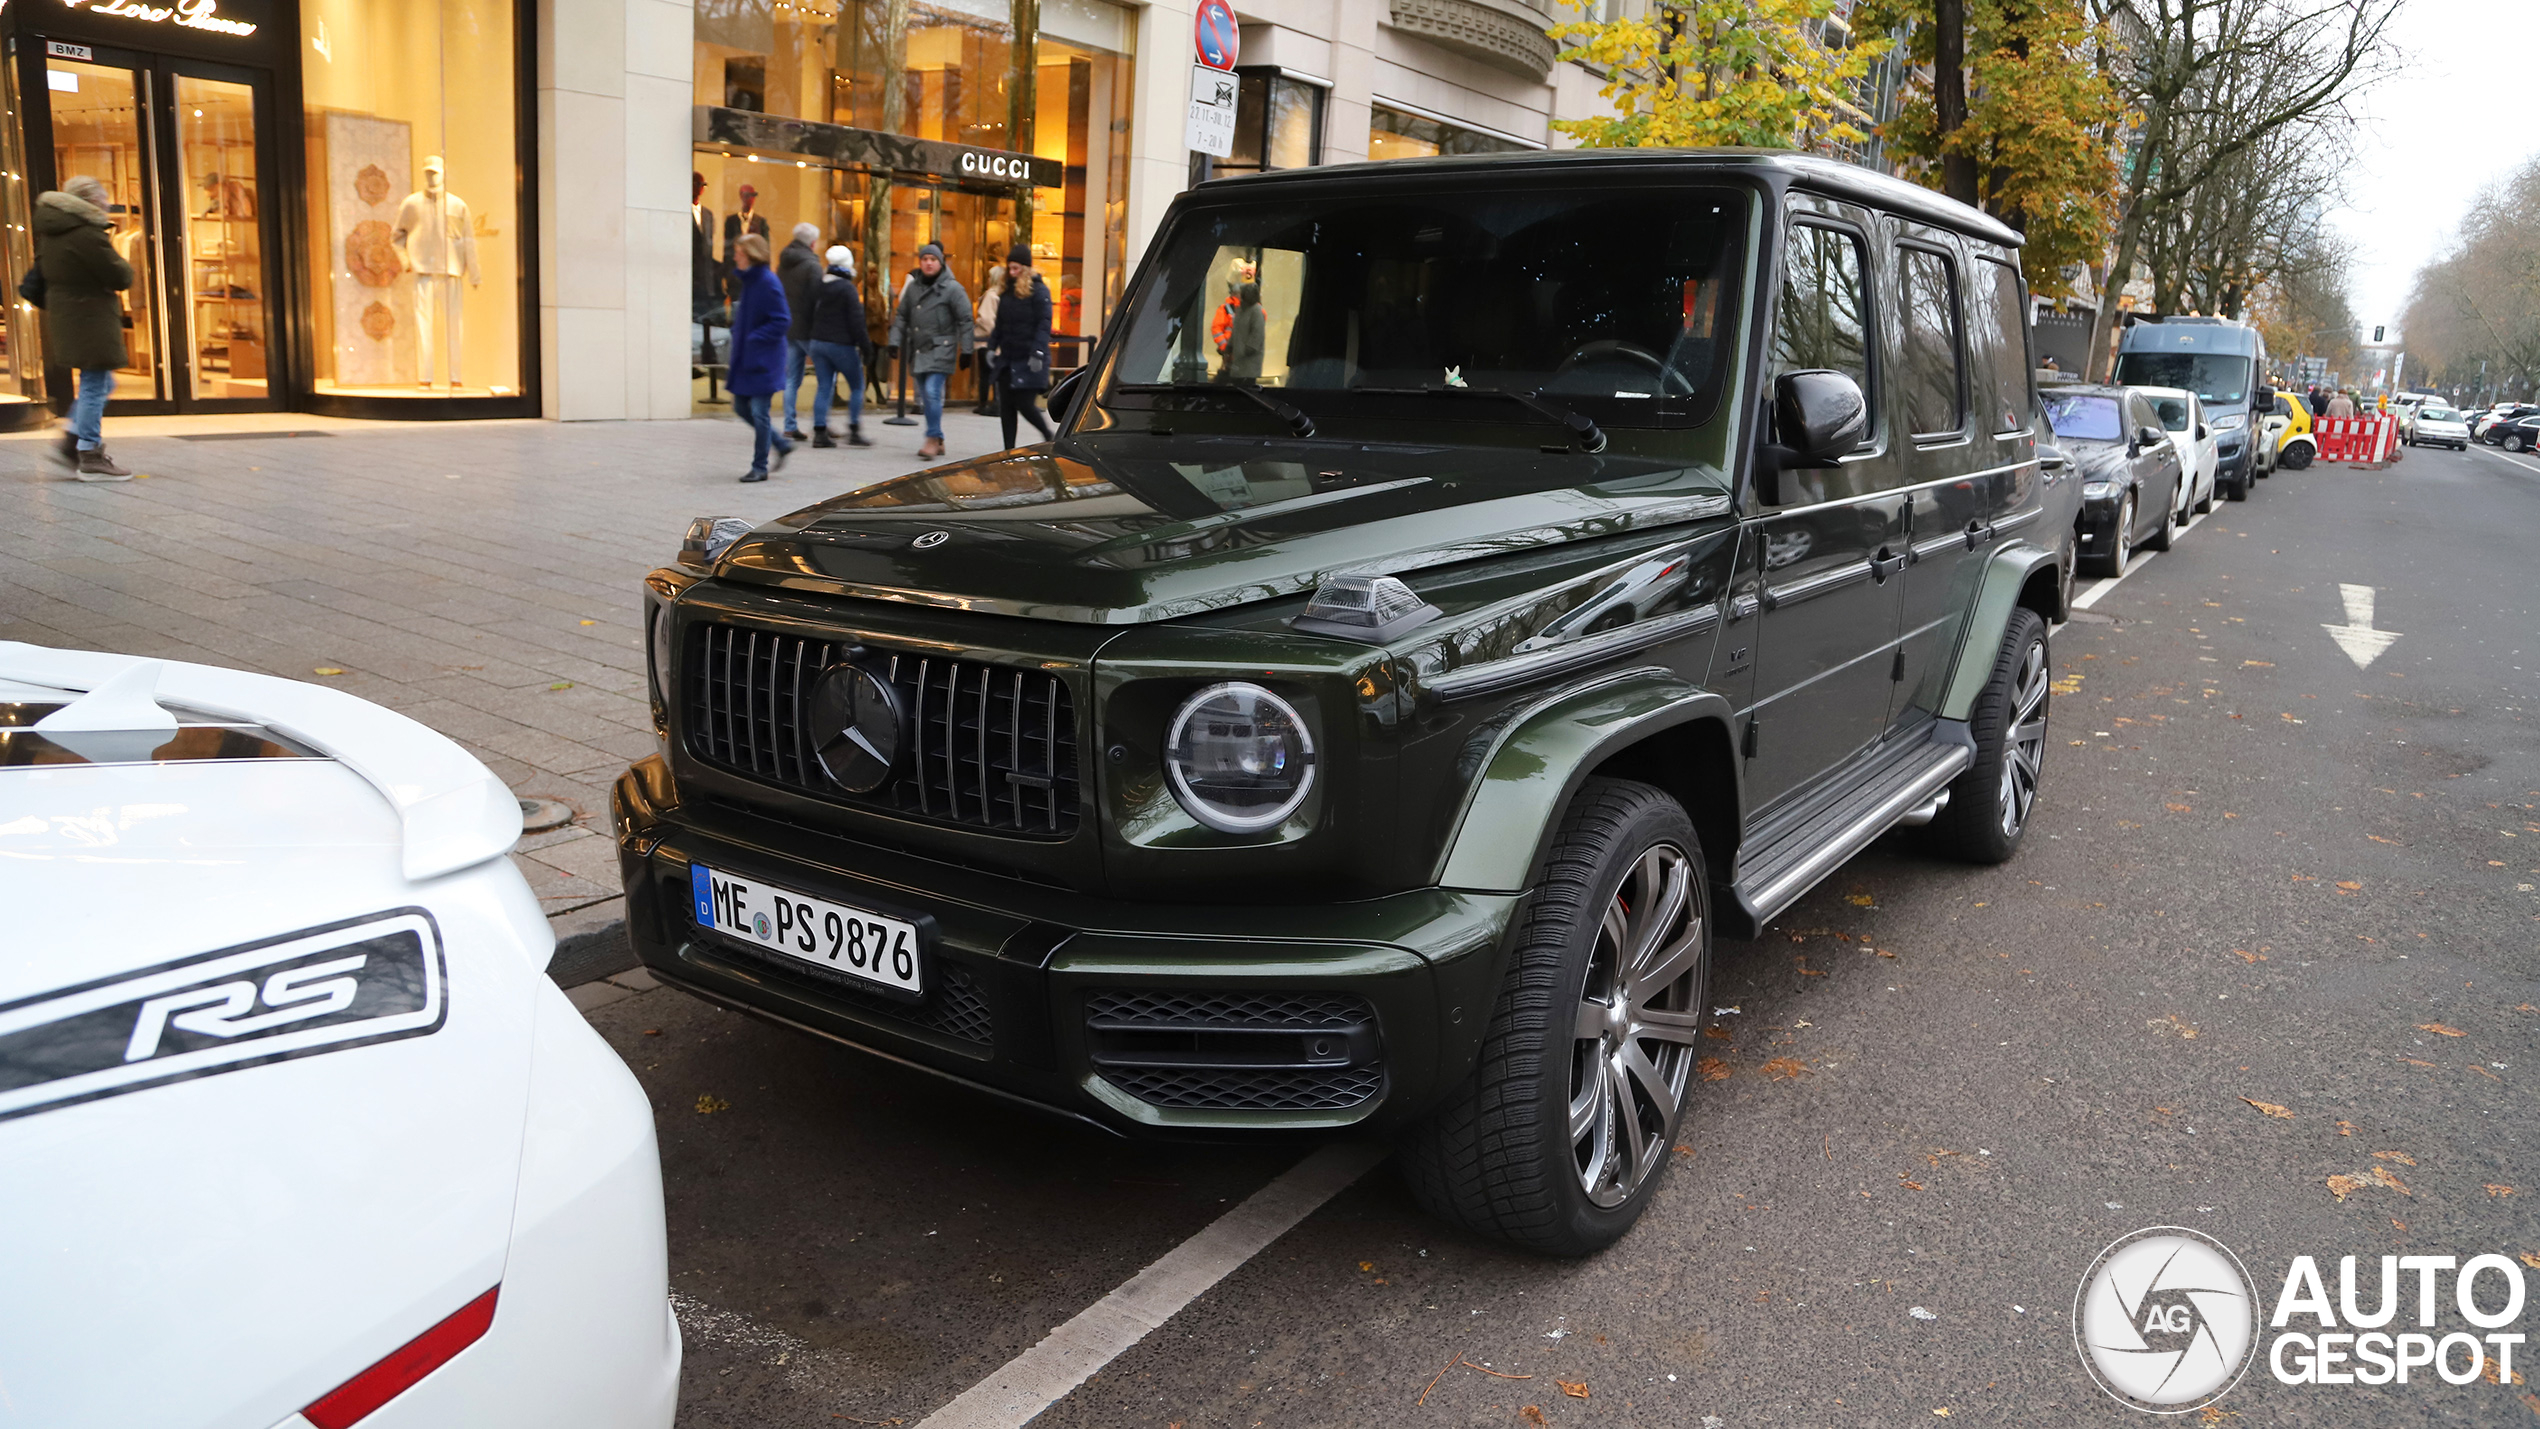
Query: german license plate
(843, 939)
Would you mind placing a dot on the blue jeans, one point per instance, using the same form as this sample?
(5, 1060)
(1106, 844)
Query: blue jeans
(930, 392)
(829, 362)
(96, 384)
(753, 410)
(796, 354)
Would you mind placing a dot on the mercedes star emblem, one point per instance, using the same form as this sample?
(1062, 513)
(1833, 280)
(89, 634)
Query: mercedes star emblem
(854, 724)
(930, 540)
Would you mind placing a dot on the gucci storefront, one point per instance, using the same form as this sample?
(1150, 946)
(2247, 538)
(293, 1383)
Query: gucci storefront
(324, 202)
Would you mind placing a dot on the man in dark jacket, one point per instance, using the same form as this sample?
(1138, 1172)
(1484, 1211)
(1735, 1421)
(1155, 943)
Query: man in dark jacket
(798, 269)
(84, 279)
(838, 339)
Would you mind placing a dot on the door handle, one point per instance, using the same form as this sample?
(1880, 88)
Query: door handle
(1979, 532)
(1884, 565)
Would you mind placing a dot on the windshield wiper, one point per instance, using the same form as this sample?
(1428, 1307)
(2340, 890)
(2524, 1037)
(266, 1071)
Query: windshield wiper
(1591, 436)
(1296, 419)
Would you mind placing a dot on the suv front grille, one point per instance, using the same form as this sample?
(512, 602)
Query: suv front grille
(1236, 1050)
(985, 746)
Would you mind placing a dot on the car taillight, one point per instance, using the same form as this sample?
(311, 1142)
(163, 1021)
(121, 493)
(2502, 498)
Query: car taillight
(353, 1400)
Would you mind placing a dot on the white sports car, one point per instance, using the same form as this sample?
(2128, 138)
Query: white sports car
(295, 1133)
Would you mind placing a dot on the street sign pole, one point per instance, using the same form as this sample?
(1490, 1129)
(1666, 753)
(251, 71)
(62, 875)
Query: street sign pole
(1209, 128)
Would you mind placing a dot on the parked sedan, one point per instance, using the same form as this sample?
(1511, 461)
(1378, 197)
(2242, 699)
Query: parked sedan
(2439, 426)
(2517, 434)
(2490, 426)
(294, 1129)
(2182, 415)
(2130, 471)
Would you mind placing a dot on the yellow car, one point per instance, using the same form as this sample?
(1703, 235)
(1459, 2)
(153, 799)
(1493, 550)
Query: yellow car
(2293, 447)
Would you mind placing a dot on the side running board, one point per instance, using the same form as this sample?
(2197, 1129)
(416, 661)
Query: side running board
(1774, 875)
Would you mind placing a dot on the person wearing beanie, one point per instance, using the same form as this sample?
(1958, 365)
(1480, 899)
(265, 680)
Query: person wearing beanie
(798, 269)
(1019, 344)
(837, 348)
(930, 331)
(83, 282)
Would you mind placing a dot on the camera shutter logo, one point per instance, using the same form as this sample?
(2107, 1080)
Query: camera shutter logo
(2165, 1320)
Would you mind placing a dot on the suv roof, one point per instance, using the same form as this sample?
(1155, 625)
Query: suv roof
(1806, 171)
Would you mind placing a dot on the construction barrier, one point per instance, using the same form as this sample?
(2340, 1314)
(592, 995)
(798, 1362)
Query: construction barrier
(2373, 438)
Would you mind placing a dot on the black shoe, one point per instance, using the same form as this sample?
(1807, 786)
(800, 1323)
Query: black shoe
(755, 476)
(856, 437)
(776, 462)
(70, 446)
(793, 434)
(822, 438)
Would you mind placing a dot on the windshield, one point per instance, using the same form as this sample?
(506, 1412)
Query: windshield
(2172, 411)
(2082, 418)
(2221, 381)
(2438, 414)
(1618, 304)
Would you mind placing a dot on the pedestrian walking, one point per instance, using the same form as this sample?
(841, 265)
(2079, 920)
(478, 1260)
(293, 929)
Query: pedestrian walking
(798, 269)
(83, 281)
(982, 324)
(930, 331)
(2341, 405)
(1247, 338)
(838, 339)
(1019, 345)
(760, 319)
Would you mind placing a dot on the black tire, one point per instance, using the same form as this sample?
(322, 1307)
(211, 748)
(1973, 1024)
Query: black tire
(2513, 443)
(2205, 504)
(1504, 1155)
(1991, 803)
(2121, 543)
(2237, 491)
(2172, 517)
(2294, 458)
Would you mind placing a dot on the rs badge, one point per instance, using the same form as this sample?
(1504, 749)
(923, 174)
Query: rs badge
(318, 990)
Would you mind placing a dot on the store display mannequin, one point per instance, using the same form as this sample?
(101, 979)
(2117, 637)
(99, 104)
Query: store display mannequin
(738, 225)
(436, 240)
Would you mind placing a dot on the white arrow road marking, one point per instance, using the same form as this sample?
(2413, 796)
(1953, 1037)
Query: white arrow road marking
(2356, 637)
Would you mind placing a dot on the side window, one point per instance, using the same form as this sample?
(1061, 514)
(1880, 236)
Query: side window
(1824, 316)
(2007, 320)
(1933, 382)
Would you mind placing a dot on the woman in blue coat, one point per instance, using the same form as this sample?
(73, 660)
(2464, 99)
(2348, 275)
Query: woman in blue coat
(760, 318)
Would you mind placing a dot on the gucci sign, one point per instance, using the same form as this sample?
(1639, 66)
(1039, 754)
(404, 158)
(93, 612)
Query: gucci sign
(998, 166)
(185, 14)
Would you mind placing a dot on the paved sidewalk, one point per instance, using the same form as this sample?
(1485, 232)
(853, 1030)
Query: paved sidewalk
(482, 577)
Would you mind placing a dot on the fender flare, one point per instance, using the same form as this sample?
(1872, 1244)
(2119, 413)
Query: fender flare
(1545, 753)
(2006, 574)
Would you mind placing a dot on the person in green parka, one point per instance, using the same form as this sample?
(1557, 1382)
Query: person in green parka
(84, 279)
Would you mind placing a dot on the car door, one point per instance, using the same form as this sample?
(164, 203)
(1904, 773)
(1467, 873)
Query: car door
(1825, 542)
(2155, 467)
(1963, 384)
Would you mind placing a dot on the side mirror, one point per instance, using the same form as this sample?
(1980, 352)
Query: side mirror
(2152, 436)
(1062, 398)
(1822, 417)
(2203, 431)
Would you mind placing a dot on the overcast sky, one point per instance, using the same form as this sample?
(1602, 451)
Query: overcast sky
(2458, 117)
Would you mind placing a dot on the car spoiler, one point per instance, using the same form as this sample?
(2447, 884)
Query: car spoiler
(453, 811)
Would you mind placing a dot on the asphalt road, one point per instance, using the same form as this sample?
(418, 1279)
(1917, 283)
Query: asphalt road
(2259, 874)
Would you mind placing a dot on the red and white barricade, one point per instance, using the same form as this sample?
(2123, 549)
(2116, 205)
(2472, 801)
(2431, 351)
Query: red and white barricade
(2371, 439)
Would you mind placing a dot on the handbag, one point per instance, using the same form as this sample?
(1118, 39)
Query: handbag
(31, 286)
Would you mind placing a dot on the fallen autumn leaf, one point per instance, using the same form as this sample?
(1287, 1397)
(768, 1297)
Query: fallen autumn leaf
(2270, 1108)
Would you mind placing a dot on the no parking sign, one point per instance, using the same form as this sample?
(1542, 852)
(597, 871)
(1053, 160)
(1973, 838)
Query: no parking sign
(1215, 41)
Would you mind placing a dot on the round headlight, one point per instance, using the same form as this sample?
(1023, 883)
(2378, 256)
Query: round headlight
(1239, 757)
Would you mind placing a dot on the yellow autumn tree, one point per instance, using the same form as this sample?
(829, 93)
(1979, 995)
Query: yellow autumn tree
(2041, 128)
(1697, 73)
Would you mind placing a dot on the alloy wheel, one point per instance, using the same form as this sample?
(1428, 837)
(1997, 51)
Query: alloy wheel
(1635, 1025)
(2024, 748)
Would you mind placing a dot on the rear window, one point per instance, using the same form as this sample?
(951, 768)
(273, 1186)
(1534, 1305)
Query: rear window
(2083, 418)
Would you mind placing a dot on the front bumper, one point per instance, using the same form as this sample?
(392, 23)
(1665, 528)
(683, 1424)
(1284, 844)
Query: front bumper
(2232, 463)
(1194, 1018)
(2096, 528)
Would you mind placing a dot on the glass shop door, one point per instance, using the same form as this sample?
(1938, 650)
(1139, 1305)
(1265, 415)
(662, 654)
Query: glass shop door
(182, 149)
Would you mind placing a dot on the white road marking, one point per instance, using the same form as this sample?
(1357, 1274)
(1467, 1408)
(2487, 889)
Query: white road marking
(2356, 637)
(2105, 584)
(2509, 458)
(1042, 1375)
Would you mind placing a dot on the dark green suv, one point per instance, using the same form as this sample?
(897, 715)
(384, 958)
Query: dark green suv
(1462, 589)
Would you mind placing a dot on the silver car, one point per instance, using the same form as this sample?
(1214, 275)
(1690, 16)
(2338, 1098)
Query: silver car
(2439, 427)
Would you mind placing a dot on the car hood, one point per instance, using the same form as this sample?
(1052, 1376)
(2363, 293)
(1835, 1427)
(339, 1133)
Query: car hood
(2099, 461)
(1129, 529)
